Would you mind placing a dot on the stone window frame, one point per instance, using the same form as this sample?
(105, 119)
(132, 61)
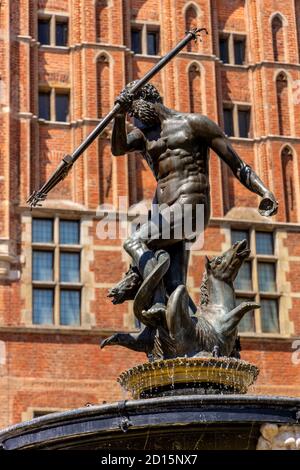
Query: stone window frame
(256, 294)
(56, 284)
(237, 106)
(88, 319)
(53, 92)
(232, 36)
(146, 27)
(54, 18)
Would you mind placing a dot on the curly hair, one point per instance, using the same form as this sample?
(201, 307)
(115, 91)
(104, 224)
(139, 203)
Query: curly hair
(147, 93)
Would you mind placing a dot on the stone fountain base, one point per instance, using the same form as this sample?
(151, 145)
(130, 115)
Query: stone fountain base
(186, 376)
(189, 405)
(228, 422)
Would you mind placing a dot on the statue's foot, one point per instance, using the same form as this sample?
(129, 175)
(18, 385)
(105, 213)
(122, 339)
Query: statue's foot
(155, 315)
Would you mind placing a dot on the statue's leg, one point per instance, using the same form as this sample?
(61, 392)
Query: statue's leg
(183, 229)
(146, 262)
(143, 246)
(177, 273)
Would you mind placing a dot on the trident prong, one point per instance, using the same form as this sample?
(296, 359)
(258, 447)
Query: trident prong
(196, 33)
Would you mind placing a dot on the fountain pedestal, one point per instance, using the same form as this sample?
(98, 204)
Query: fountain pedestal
(182, 376)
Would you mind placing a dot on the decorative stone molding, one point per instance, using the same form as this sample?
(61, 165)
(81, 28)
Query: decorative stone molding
(276, 437)
(8, 262)
(286, 325)
(246, 213)
(88, 275)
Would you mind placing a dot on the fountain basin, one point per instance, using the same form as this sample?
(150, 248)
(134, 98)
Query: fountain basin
(210, 422)
(197, 375)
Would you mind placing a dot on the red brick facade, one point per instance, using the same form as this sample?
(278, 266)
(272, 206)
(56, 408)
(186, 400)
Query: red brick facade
(44, 368)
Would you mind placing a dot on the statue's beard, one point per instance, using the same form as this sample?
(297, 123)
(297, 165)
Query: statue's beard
(145, 112)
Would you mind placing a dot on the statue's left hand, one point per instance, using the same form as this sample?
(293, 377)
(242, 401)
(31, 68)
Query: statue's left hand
(268, 205)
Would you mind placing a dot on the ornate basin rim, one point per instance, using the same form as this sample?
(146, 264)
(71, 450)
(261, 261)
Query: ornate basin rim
(227, 372)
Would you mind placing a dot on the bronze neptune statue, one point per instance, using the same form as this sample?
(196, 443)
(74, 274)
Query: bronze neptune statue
(176, 147)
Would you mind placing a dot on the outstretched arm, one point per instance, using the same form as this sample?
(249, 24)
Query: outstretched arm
(243, 172)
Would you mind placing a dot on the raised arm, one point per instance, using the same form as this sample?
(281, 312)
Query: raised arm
(243, 172)
(122, 143)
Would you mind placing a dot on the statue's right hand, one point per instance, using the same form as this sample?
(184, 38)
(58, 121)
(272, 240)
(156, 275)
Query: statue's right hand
(125, 99)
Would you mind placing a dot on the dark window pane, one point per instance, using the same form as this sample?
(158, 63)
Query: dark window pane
(239, 51)
(152, 43)
(44, 31)
(266, 277)
(224, 51)
(244, 123)
(264, 243)
(70, 307)
(136, 41)
(269, 316)
(239, 235)
(69, 232)
(42, 231)
(43, 302)
(244, 278)
(247, 324)
(42, 266)
(44, 105)
(70, 267)
(61, 33)
(228, 122)
(62, 107)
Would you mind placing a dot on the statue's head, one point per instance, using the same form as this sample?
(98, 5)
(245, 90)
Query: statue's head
(147, 93)
(143, 106)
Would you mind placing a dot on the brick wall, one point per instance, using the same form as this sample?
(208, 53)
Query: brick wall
(61, 368)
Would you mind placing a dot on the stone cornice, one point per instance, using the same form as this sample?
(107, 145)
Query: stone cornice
(63, 330)
(292, 227)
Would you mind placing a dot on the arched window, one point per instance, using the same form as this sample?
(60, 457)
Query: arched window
(287, 162)
(278, 39)
(102, 21)
(105, 171)
(282, 91)
(191, 23)
(103, 86)
(195, 89)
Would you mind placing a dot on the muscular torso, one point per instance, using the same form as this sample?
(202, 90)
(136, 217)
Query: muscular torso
(179, 161)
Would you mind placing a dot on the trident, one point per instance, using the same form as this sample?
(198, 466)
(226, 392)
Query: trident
(68, 161)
